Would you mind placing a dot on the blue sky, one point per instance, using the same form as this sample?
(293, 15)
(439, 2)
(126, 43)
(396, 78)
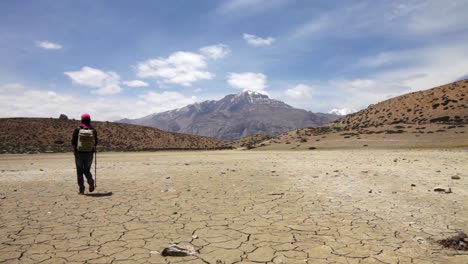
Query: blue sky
(127, 59)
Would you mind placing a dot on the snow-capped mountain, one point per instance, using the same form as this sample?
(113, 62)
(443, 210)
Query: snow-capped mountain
(234, 116)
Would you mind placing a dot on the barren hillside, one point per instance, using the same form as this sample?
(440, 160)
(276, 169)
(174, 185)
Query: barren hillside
(32, 135)
(249, 141)
(447, 104)
(437, 117)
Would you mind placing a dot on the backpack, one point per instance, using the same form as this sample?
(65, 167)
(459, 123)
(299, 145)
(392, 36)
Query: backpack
(85, 140)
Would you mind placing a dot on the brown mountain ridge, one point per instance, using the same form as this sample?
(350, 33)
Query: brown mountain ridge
(436, 117)
(33, 135)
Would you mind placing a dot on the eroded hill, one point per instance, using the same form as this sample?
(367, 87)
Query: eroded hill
(437, 117)
(32, 135)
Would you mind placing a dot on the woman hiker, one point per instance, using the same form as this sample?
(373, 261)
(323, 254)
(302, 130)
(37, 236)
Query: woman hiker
(84, 142)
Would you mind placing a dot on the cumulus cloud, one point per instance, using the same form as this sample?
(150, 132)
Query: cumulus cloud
(300, 91)
(15, 101)
(48, 45)
(258, 41)
(215, 51)
(136, 83)
(342, 111)
(248, 81)
(183, 68)
(105, 82)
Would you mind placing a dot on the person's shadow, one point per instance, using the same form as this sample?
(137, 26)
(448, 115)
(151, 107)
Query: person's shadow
(99, 194)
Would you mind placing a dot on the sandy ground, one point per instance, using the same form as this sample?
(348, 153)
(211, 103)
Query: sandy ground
(353, 206)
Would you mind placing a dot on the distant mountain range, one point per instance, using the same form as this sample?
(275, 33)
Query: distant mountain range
(235, 116)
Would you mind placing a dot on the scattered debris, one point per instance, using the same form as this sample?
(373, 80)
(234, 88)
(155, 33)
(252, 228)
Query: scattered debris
(457, 242)
(443, 189)
(179, 250)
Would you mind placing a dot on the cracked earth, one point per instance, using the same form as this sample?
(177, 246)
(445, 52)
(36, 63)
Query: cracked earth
(349, 206)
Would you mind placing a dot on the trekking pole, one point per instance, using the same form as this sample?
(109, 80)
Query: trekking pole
(95, 168)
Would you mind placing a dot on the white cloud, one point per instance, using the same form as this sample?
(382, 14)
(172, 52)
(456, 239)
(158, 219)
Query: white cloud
(398, 19)
(248, 81)
(106, 82)
(435, 17)
(48, 45)
(166, 100)
(363, 83)
(423, 68)
(136, 83)
(258, 41)
(15, 101)
(249, 6)
(215, 51)
(342, 111)
(381, 59)
(300, 91)
(311, 27)
(183, 68)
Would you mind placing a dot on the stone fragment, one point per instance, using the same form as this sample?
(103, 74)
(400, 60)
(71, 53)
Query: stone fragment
(455, 177)
(443, 189)
(457, 242)
(180, 250)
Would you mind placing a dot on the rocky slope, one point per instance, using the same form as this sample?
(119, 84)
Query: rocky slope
(248, 141)
(235, 116)
(32, 135)
(446, 104)
(437, 117)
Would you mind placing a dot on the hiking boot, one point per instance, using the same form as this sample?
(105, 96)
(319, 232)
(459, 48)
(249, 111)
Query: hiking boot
(91, 186)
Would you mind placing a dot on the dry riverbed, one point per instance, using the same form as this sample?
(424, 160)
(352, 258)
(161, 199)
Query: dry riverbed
(337, 206)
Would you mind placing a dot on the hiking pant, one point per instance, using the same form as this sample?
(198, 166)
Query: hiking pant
(83, 161)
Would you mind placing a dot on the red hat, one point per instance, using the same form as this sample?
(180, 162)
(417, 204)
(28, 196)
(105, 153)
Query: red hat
(85, 115)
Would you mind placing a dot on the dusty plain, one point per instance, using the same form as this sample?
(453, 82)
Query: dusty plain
(311, 206)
